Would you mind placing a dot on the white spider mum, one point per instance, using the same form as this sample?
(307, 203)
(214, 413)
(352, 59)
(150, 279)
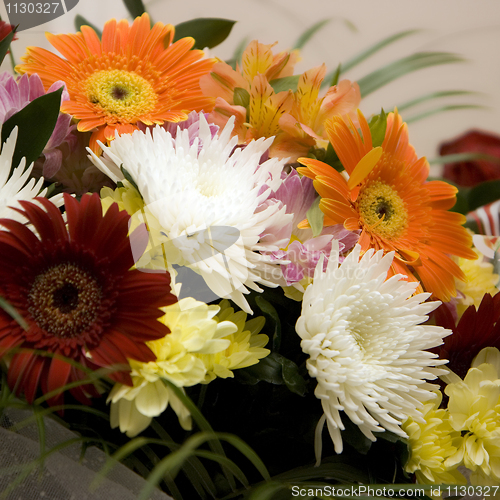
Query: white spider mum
(18, 186)
(208, 203)
(367, 345)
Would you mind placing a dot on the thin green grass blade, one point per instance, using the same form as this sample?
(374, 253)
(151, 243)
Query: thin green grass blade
(124, 451)
(225, 462)
(362, 56)
(40, 425)
(309, 33)
(460, 157)
(267, 491)
(193, 468)
(172, 463)
(12, 312)
(392, 71)
(204, 426)
(442, 109)
(247, 451)
(335, 76)
(434, 95)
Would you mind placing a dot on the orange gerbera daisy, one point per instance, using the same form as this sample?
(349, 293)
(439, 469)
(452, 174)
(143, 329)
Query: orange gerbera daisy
(134, 75)
(388, 198)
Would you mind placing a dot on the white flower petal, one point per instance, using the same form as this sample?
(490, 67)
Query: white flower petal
(366, 343)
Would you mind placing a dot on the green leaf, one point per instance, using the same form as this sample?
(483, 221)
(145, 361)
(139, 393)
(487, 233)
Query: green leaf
(272, 318)
(135, 7)
(267, 491)
(128, 177)
(35, 124)
(285, 83)
(401, 67)
(336, 76)
(434, 95)
(316, 217)
(207, 31)
(274, 369)
(462, 204)
(332, 159)
(309, 32)
(460, 157)
(441, 109)
(12, 312)
(370, 51)
(238, 53)
(241, 97)
(5, 45)
(378, 126)
(292, 378)
(81, 21)
(482, 194)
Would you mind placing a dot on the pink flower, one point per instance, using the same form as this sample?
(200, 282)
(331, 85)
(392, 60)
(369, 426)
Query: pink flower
(17, 94)
(305, 250)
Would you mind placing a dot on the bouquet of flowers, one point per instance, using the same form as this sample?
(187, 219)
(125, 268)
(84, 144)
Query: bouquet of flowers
(234, 282)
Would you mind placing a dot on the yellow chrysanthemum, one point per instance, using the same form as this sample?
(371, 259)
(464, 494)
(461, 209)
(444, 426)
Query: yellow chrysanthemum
(246, 344)
(194, 332)
(474, 411)
(479, 280)
(430, 445)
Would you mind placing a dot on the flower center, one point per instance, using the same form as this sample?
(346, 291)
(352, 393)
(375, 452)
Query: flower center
(64, 300)
(382, 210)
(122, 93)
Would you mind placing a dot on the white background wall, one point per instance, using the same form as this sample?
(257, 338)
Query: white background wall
(467, 27)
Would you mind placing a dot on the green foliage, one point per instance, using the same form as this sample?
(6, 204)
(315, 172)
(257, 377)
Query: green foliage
(272, 318)
(135, 7)
(404, 66)
(378, 126)
(316, 217)
(309, 33)
(238, 53)
(12, 312)
(35, 124)
(241, 97)
(274, 369)
(5, 45)
(285, 83)
(81, 21)
(434, 95)
(365, 54)
(482, 194)
(441, 109)
(207, 31)
(335, 76)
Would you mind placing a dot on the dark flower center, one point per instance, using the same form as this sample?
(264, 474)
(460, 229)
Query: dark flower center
(65, 300)
(119, 92)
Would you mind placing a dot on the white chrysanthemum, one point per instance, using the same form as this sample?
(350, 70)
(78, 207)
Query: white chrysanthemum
(367, 344)
(17, 187)
(206, 198)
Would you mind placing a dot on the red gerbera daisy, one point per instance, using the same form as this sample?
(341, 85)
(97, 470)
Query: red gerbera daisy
(475, 330)
(75, 290)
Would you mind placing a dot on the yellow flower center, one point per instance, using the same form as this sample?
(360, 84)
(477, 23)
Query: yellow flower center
(122, 93)
(382, 210)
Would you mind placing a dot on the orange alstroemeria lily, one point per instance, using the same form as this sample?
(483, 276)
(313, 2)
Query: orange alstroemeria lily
(304, 125)
(387, 196)
(134, 75)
